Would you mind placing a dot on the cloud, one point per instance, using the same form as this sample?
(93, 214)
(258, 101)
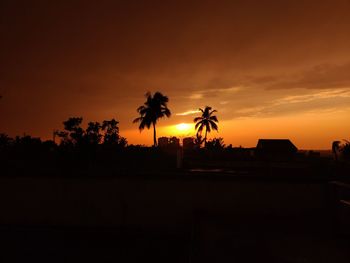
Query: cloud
(190, 112)
(307, 89)
(331, 100)
(196, 96)
(321, 76)
(213, 92)
(336, 93)
(230, 90)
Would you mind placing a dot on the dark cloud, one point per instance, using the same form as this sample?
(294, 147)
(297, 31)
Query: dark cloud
(323, 76)
(61, 58)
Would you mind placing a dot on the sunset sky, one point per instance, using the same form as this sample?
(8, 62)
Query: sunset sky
(272, 69)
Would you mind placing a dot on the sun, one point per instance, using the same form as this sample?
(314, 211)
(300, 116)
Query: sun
(183, 127)
(180, 130)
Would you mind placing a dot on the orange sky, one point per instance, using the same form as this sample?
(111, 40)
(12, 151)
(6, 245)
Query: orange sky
(272, 69)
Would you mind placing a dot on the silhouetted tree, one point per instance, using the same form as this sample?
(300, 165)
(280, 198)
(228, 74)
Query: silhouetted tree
(111, 130)
(216, 144)
(198, 140)
(28, 143)
(93, 133)
(153, 109)
(207, 121)
(5, 140)
(111, 134)
(345, 149)
(63, 135)
(122, 142)
(335, 149)
(73, 133)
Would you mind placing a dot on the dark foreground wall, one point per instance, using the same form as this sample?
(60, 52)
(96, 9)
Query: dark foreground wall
(149, 202)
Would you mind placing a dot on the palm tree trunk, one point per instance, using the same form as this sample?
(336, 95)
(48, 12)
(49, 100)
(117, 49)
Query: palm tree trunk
(205, 137)
(154, 135)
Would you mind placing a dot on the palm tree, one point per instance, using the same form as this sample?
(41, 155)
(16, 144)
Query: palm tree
(207, 121)
(153, 109)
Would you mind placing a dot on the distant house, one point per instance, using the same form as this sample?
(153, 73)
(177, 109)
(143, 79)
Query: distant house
(188, 143)
(174, 142)
(275, 149)
(163, 141)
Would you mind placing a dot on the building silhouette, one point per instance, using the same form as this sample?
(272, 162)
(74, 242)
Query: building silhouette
(275, 149)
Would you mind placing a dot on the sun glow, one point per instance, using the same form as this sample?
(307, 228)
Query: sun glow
(183, 127)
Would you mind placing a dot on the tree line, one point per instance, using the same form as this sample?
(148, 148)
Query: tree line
(154, 108)
(106, 133)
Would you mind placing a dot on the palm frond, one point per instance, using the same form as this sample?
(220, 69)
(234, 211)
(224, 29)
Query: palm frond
(166, 112)
(139, 119)
(207, 110)
(213, 118)
(148, 95)
(213, 125)
(141, 109)
(197, 119)
(142, 125)
(211, 112)
(199, 126)
(159, 97)
(207, 127)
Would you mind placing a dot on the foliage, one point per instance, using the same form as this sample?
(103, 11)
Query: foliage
(73, 134)
(111, 132)
(345, 149)
(5, 140)
(153, 109)
(207, 121)
(122, 142)
(335, 149)
(95, 134)
(215, 144)
(198, 140)
(72, 125)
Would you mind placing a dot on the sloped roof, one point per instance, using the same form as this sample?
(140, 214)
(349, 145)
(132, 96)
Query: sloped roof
(276, 145)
